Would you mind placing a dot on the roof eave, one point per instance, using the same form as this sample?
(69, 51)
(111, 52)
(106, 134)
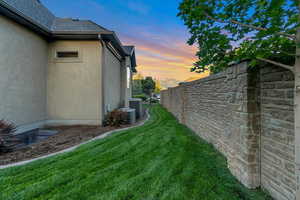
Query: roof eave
(78, 32)
(75, 36)
(18, 17)
(111, 36)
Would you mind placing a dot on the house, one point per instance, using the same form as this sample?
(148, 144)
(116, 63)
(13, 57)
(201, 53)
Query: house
(58, 71)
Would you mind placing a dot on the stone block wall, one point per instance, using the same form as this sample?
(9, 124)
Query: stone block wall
(277, 133)
(248, 116)
(174, 98)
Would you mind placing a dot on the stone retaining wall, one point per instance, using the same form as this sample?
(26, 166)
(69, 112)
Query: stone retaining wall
(248, 116)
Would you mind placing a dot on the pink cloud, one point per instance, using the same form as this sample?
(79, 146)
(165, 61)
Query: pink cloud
(163, 58)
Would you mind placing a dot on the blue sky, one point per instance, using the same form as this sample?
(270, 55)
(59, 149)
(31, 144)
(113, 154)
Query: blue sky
(151, 25)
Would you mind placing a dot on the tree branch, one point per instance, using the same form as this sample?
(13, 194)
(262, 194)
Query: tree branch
(248, 26)
(291, 68)
(289, 54)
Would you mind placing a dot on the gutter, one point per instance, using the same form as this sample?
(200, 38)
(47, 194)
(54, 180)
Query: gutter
(111, 36)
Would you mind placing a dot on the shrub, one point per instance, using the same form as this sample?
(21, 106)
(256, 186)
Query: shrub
(115, 118)
(141, 96)
(7, 139)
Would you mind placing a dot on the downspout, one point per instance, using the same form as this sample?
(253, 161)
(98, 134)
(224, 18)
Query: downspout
(102, 81)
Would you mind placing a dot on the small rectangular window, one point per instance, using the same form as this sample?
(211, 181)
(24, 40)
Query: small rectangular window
(67, 54)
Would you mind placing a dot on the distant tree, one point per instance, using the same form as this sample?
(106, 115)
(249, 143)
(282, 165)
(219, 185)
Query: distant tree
(158, 87)
(137, 86)
(228, 31)
(138, 76)
(148, 85)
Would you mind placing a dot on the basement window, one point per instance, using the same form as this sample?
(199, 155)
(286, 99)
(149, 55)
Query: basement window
(67, 54)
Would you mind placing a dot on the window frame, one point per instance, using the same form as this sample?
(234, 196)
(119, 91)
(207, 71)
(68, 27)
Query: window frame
(56, 59)
(66, 54)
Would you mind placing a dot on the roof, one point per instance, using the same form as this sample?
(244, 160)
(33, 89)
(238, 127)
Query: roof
(32, 10)
(35, 12)
(61, 25)
(130, 50)
(34, 15)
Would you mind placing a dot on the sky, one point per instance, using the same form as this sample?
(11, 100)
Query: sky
(150, 25)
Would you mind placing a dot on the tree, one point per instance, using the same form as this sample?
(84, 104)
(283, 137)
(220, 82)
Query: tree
(148, 85)
(158, 87)
(228, 31)
(137, 87)
(138, 76)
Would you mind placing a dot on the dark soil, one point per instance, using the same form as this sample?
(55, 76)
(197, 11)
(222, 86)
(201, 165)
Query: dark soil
(67, 137)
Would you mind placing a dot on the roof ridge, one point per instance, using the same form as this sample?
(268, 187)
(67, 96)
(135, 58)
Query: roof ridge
(98, 25)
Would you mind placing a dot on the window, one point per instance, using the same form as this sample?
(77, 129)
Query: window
(67, 54)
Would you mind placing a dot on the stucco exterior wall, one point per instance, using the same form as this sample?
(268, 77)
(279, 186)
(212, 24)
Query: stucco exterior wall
(112, 82)
(126, 85)
(23, 64)
(74, 86)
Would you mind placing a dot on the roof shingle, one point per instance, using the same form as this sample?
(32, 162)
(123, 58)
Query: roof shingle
(36, 12)
(32, 10)
(74, 25)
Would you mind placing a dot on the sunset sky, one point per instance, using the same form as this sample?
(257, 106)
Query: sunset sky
(151, 25)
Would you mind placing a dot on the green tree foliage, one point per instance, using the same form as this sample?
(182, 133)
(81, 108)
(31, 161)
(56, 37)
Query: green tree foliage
(158, 87)
(137, 87)
(229, 31)
(148, 85)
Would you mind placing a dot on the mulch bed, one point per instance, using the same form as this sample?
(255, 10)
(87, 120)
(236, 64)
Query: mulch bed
(67, 137)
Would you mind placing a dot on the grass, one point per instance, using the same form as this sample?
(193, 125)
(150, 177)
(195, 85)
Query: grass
(162, 160)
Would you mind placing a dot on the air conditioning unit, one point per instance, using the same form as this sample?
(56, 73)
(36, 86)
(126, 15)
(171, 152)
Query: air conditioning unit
(138, 106)
(130, 114)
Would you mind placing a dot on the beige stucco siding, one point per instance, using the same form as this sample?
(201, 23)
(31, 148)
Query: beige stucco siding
(126, 77)
(74, 86)
(128, 87)
(23, 64)
(112, 81)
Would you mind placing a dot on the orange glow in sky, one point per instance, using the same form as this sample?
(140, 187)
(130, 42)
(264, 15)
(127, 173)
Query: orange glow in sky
(151, 26)
(165, 60)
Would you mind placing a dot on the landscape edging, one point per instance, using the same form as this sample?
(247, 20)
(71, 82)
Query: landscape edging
(76, 146)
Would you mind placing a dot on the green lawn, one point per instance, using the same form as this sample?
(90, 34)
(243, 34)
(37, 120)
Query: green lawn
(161, 160)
